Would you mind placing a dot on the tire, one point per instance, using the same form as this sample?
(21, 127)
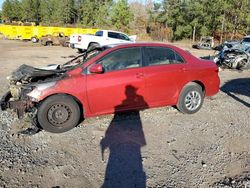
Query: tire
(80, 50)
(49, 43)
(191, 99)
(243, 64)
(34, 39)
(58, 114)
(93, 46)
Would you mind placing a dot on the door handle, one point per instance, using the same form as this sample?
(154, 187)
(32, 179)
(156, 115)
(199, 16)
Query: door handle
(139, 75)
(183, 69)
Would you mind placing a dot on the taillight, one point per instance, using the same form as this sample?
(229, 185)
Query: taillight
(79, 38)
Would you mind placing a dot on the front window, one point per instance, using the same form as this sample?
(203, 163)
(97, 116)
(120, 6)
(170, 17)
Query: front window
(123, 37)
(113, 35)
(122, 59)
(247, 40)
(120, 36)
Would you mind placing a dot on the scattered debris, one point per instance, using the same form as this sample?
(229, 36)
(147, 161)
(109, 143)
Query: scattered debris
(236, 182)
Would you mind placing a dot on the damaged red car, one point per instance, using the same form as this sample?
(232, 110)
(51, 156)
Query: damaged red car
(111, 79)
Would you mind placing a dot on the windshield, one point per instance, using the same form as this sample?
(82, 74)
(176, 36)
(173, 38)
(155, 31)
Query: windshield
(92, 52)
(246, 40)
(84, 57)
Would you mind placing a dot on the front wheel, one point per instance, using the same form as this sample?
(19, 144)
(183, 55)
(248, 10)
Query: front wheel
(58, 114)
(191, 99)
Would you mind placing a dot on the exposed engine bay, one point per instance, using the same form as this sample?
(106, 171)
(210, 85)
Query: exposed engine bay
(231, 59)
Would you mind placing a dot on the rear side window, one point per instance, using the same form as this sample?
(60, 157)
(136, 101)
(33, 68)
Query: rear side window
(99, 33)
(162, 56)
(122, 59)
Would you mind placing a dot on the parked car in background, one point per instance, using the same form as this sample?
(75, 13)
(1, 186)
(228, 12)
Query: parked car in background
(235, 44)
(111, 79)
(226, 44)
(206, 43)
(246, 40)
(233, 54)
(56, 38)
(101, 38)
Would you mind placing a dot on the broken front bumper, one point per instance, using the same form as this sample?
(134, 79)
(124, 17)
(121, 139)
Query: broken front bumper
(19, 106)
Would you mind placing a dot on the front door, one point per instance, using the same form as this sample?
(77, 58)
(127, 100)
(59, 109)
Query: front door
(121, 86)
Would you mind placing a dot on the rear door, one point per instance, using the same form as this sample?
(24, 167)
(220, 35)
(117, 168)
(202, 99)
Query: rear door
(164, 72)
(121, 86)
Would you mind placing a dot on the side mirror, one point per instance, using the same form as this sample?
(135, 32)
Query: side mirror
(132, 38)
(96, 69)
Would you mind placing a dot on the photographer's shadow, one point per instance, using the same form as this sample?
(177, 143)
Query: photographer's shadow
(236, 87)
(124, 138)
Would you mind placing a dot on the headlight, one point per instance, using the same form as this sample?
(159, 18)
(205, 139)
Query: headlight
(15, 91)
(38, 90)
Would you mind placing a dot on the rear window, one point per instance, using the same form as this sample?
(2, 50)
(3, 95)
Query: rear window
(99, 33)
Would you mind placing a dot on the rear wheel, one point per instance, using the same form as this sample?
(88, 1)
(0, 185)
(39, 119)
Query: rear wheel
(80, 51)
(58, 114)
(93, 45)
(243, 64)
(191, 99)
(34, 39)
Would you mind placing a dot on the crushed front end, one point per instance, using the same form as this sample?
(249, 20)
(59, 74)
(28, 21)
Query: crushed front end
(22, 82)
(27, 84)
(15, 99)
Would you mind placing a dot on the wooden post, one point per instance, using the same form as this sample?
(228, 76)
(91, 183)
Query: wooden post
(222, 28)
(194, 33)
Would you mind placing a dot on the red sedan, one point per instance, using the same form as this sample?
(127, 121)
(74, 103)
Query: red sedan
(115, 78)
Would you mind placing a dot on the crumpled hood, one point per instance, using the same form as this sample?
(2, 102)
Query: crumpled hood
(26, 73)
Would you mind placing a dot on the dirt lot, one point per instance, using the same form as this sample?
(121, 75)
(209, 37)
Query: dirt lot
(159, 148)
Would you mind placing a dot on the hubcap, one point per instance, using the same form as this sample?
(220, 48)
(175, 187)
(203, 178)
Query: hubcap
(193, 100)
(58, 114)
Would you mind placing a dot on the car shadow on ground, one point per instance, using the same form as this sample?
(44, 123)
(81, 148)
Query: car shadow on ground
(236, 87)
(124, 139)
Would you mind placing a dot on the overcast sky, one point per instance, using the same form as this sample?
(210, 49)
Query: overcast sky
(1, 2)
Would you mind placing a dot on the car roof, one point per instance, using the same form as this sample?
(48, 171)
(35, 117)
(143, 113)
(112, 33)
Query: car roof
(139, 44)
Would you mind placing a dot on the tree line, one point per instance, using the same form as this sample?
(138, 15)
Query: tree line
(165, 20)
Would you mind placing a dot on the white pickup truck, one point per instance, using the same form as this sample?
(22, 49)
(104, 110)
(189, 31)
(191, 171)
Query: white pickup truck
(101, 38)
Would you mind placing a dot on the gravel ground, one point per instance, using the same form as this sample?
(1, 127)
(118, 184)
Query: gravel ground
(154, 148)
